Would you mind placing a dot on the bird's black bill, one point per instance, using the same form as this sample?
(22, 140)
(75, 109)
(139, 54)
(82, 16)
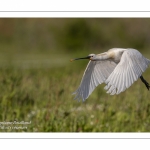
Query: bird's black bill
(88, 57)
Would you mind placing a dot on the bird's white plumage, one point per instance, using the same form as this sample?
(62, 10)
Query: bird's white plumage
(117, 76)
(95, 73)
(128, 70)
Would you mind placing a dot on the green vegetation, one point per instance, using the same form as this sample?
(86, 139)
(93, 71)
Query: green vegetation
(37, 80)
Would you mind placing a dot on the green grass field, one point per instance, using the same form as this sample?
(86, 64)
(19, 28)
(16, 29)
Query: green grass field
(36, 86)
(43, 96)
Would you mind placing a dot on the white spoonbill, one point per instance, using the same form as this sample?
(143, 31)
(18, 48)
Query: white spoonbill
(118, 68)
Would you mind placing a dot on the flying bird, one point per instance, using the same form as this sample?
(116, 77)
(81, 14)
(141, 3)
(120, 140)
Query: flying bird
(118, 68)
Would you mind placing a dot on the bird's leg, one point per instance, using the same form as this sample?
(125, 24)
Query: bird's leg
(145, 82)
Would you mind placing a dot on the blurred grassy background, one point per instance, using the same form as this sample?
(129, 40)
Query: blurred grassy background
(37, 79)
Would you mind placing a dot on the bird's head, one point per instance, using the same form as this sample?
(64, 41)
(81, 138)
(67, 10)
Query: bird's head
(90, 56)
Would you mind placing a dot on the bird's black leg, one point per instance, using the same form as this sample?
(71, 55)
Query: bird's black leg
(145, 82)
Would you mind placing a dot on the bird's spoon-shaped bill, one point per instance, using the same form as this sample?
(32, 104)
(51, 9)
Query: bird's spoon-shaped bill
(88, 57)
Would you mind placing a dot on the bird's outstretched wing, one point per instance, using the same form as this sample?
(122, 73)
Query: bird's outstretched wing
(96, 73)
(128, 70)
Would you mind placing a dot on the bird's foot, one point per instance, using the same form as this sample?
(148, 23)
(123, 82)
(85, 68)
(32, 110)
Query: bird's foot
(145, 82)
(147, 85)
